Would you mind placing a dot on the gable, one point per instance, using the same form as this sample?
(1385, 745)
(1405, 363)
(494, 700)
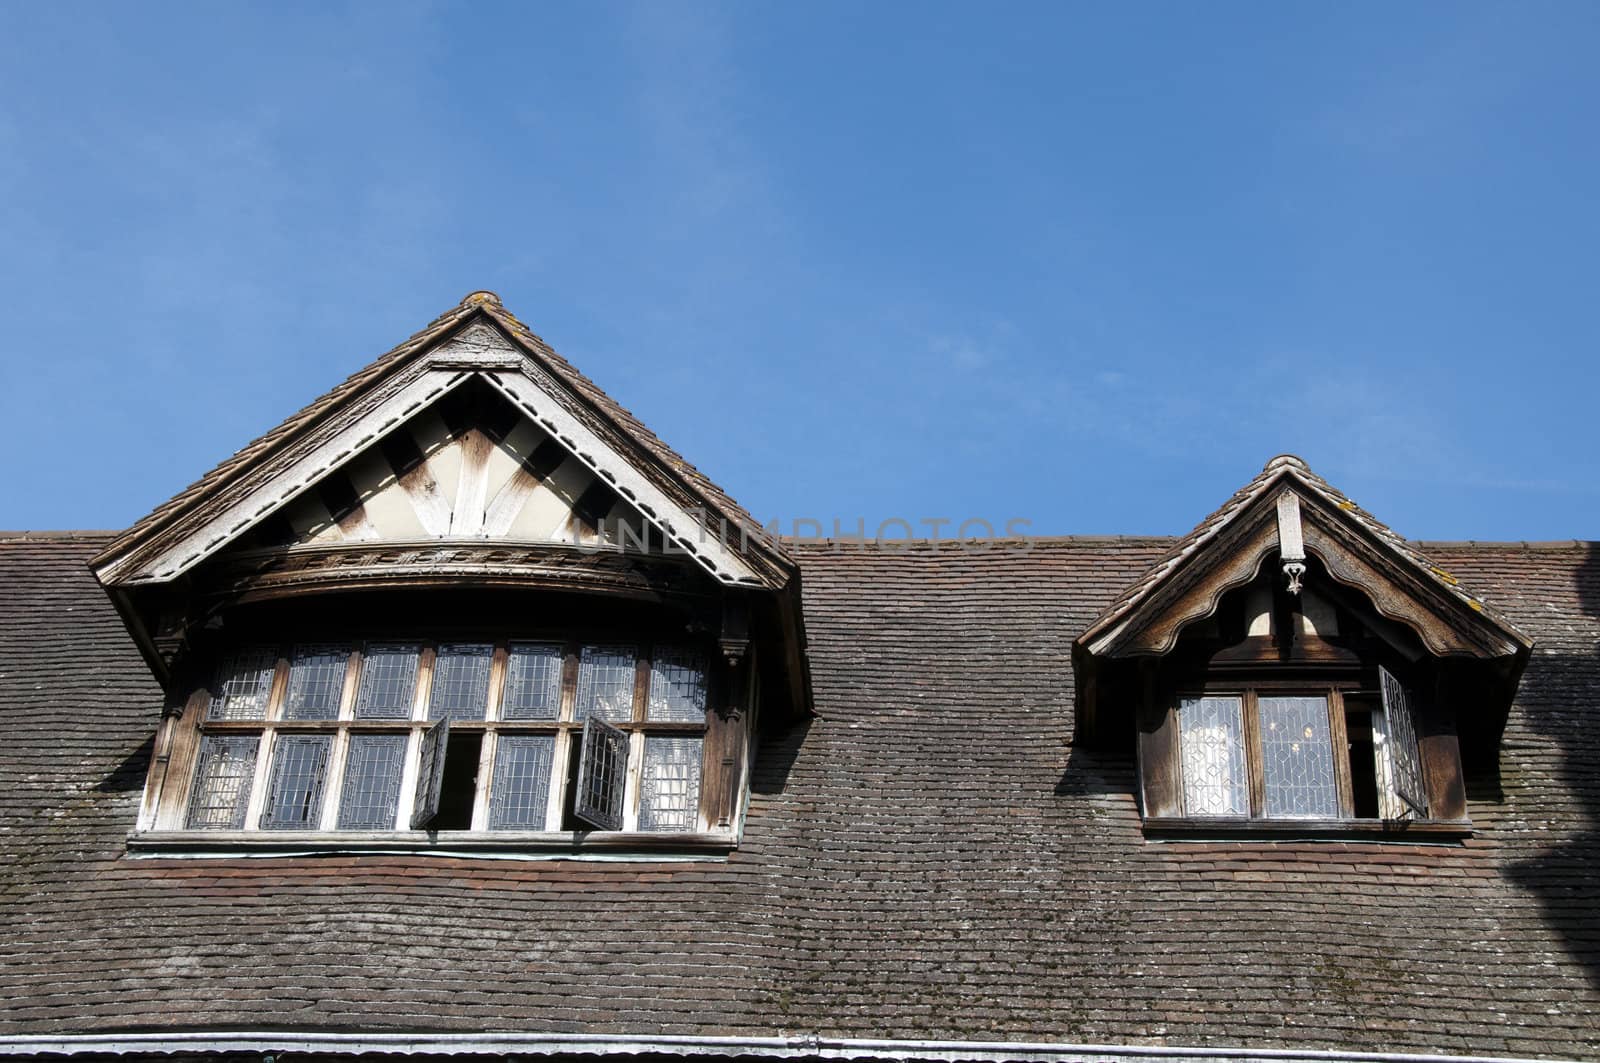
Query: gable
(1287, 512)
(470, 466)
(464, 436)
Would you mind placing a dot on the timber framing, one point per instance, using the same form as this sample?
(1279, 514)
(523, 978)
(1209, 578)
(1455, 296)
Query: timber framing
(261, 574)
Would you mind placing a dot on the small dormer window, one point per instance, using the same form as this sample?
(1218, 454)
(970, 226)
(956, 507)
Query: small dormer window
(1294, 665)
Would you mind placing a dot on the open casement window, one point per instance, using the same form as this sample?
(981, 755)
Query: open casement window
(1395, 737)
(490, 738)
(1312, 753)
(602, 775)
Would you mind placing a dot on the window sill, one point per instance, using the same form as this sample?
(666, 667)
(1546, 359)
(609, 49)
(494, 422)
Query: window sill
(1214, 828)
(505, 845)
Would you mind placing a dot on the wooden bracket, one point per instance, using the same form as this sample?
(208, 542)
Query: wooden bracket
(735, 635)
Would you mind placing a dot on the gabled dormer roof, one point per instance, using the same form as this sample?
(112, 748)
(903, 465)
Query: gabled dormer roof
(478, 343)
(1229, 546)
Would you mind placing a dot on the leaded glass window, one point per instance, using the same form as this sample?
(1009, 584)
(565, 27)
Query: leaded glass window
(677, 686)
(521, 785)
(533, 681)
(388, 681)
(602, 775)
(605, 682)
(1211, 739)
(1297, 758)
(316, 682)
(243, 685)
(222, 781)
(461, 681)
(272, 756)
(294, 797)
(670, 797)
(371, 795)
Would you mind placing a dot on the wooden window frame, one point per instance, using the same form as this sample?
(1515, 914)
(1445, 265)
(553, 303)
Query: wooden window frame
(168, 806)
(1249, 695)
(1249, 688)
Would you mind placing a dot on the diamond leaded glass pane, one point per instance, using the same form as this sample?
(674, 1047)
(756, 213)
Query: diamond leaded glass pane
(371, 794)
(388, 681)
(242, 685)
(299, 766)
(461, 681)
(1211, 738)
(677, 686)
(222, 781)
(533, 681)
(605, 683)
(670, 793)
(521, 786)
(1297, 758)
(316, 682)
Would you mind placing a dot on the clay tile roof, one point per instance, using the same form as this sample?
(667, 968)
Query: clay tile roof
(930, 857)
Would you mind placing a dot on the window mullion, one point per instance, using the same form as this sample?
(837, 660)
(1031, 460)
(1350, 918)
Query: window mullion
(481, 796)
(424, 692)
(630, 793)
(278, 691)
(352, 680)
(333, 780)
(1254, 766)
(1339, 737)
(494, 708)
(261, 781)
(560, 780)
(408, 780)
(568, 707)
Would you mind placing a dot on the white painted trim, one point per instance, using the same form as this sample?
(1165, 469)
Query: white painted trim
(238, 518)
(808, 1047)
(682, 529)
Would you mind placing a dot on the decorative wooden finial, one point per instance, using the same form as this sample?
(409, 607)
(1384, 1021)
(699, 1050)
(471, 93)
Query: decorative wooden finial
(1291, 541)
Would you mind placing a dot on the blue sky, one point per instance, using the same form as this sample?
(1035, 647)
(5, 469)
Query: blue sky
(1086, 266)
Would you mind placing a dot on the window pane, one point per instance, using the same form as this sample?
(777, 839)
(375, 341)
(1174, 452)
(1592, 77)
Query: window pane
(1211, 737)
(294, 801)
(371, 794)
(605, 683)
(670, 797)
(1297, 758)
(677, 686)
(316, 682)
(461, 681)
(222, 782)
(388, 681)
(242, 685)
(533, 682)
(602, 775)
(521, 782)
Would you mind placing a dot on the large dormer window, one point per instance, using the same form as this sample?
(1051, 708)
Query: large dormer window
(488, 735)
(563, 622)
